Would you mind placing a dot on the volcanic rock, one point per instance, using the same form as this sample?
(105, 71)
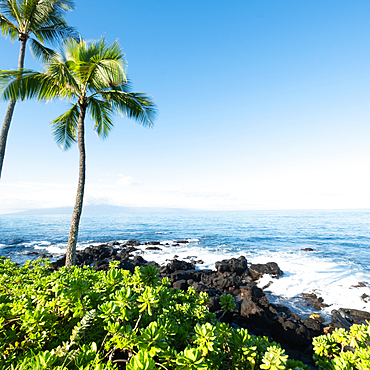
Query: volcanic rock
(153, 248)
(176, 265)
(233, 265)
(270, 268)
(316, 302)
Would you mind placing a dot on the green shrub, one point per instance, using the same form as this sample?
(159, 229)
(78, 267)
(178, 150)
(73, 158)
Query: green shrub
(344, 350)
(84, 319)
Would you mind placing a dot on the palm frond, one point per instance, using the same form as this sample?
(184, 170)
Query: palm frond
(40, 13)
(62, 74)
(28, 84)
(134, 105)
(20, 85)
(52, 32)
(101, 113)
(106, 74)
(64, 128)
(40, 51)
(8, 28)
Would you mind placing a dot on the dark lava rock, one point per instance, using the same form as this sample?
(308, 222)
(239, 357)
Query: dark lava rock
(316, 302)
(313, 326)
(139, 261)
(360, 284)
(127, 265)
(270, 268)
(176, 265)
(127, 252)
(307, 249)
(153, 248)
(101, 265)
(214, 304)
(233, 265)
(180, 284)
(132, 242)
(250, 309)
(226, 281)
(354, 316)
(251, 290)
(152, 243)
(181, 241)
(194, 275)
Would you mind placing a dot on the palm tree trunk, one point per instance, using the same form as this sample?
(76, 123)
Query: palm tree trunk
(73, 231)
(10, 110)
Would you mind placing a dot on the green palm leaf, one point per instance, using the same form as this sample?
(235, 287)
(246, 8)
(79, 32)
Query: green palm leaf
(8, 28)
(40, 51)
(101, 113)
(134, 105)
(64, 127)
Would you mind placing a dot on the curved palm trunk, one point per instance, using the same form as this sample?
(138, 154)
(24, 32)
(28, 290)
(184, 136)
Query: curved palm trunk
(73, 231)
(10, 110)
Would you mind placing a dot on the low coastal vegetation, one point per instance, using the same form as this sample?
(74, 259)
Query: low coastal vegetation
(79, 318)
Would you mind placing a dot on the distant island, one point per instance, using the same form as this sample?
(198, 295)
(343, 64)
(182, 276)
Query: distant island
(99, 208)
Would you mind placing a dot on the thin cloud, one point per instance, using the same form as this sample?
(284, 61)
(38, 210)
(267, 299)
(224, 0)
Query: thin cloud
(127, 181)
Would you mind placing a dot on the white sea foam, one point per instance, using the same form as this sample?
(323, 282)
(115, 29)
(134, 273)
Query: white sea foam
(304, 272)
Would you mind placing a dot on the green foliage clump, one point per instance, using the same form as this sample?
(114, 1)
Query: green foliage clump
(84, 319)
(344, 350)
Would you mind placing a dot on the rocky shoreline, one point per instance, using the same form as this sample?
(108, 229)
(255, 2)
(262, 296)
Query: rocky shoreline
(234, 276)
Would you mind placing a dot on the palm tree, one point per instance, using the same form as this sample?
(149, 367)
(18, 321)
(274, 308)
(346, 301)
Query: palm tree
(93, 77)
(21, 19)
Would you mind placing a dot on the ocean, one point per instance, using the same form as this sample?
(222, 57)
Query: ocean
(340, 240)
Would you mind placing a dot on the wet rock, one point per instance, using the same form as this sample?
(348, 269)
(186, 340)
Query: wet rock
(360, 284)
(270, 268)
(127, 252)
(32, 253)
(338, 321)
(181, 241)
(59, 263)
(267, 285)
(233, 265)
(132, 242)
(153, 248)
(139, 261)
(314, 300)
(307, 249)
(199, 262)
(282, 310)
(354, 316)
(152, 243)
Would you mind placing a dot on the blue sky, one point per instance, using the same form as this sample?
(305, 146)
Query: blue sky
(261, 105)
